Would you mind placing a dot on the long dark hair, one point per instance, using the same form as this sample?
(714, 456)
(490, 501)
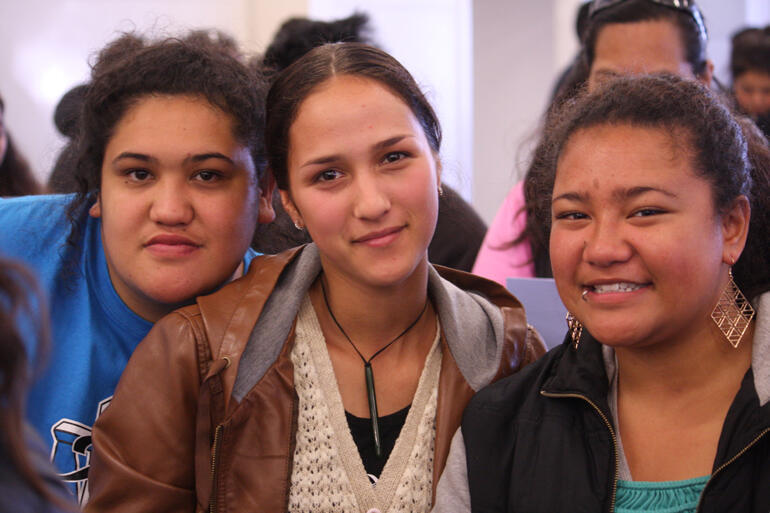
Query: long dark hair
(16, 178)
(727, 150)
(20, 303)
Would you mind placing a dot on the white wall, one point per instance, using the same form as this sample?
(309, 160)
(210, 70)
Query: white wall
(514, 68)
(45, 47)
(433, 40)
(488, 65)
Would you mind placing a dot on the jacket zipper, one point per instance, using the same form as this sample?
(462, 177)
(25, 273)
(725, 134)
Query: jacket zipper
(609, 427)
(728, 462)
(214, 454)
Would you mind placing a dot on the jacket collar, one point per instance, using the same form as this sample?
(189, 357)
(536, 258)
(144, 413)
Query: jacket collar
(582, 372)
(472, 323)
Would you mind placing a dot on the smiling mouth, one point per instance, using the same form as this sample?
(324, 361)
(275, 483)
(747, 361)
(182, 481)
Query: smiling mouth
(606, 288)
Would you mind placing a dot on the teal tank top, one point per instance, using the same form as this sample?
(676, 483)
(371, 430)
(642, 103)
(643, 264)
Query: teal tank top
(659, 497)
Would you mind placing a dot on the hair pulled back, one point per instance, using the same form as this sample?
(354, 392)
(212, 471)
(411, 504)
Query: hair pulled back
(300, 79)
(633, 11)
(726, 150)
(131, 68)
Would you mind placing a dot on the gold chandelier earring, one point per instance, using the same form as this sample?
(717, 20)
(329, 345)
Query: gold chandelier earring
(733, 313)
(575, 328)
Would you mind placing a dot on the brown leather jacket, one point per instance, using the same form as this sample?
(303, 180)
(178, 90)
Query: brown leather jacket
(184, 433)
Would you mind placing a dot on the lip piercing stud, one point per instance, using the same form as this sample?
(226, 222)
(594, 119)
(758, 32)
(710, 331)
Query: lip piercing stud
(583, 295)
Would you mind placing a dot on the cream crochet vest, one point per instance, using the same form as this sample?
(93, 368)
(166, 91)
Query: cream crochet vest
(327, 473)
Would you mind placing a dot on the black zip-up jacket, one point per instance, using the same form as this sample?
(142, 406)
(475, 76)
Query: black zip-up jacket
(543, 441)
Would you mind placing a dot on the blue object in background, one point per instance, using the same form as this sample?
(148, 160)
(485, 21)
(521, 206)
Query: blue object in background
(544, 308)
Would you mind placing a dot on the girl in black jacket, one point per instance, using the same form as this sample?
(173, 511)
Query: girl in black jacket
(659, 397)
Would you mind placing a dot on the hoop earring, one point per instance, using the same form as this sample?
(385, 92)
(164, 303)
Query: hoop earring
(440, 190)
(732, 313)
(575, 328)
(298, 226)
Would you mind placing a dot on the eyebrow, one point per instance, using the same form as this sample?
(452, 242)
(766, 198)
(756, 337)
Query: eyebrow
(134, 156)
(375, 147)
(389, 142)
(194, 158)
(619, 194)
(212, 155)
(571, 196)
(633, 192)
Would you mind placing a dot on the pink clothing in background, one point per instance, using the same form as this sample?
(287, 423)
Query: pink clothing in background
(498, 259)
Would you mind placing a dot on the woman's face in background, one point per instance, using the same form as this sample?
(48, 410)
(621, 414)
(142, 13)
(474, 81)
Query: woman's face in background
(363, 180)
(637, 250)
(639, 48)
(179, 202)
(752, 92)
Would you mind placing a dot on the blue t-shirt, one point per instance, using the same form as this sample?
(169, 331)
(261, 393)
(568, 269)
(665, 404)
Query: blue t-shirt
(93, 332)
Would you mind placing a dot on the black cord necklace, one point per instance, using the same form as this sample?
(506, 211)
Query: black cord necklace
(368, 374)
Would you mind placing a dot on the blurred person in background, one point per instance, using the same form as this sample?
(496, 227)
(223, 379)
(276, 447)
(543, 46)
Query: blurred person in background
(16, 178)
(750, 68)
(621, 37)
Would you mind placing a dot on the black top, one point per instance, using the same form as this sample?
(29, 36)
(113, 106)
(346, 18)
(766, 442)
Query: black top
(390, 428)
(540, 441)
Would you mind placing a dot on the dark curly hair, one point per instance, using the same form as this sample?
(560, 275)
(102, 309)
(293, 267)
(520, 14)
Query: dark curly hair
(131, 68)
(297, 81)
(297, 36)
(728, 151)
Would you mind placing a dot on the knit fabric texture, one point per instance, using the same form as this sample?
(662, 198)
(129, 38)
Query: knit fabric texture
(659, 497)
(327, 472)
